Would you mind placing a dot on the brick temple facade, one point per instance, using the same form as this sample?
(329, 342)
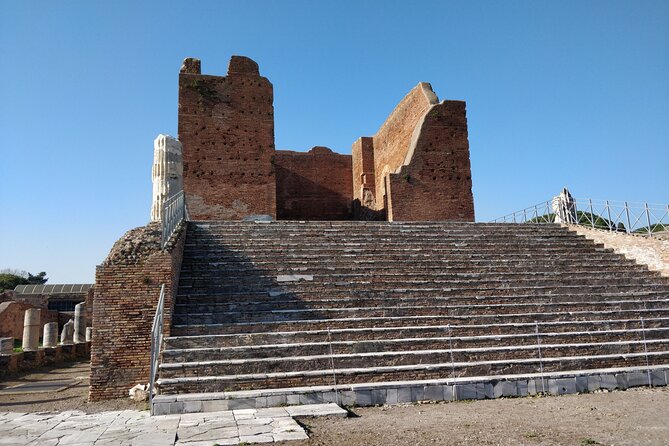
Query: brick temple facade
(415, 168)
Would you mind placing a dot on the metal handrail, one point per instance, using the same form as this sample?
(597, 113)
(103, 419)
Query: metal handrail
(174, 212)
(156, 344)
(618, 216)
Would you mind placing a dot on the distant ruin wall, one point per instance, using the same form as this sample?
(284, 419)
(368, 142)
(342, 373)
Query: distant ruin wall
(392, 141)
(226, 127)
(420, 157)
(436, 184)
(316, 185)
(11, 318)
(127, 287)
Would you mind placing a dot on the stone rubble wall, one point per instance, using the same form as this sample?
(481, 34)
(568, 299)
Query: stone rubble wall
(127, 288)
(650, 251)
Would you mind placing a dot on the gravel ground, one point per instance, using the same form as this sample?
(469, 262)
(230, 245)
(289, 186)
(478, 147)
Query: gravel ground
(73, 398)
(633, 417)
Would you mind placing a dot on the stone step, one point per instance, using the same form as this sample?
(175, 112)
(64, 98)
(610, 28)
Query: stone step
(276, 315)
(403, 301)
(338, 308)
(479, 294)
(305, 249)
(332, 273)
(326, 346)
(438, 287)
(394, 392)
(245, 339)
(288, 300)
(398, 321)
(387, 258)
(464, 356)
(254, 280)
(430, 370)
(339, 244)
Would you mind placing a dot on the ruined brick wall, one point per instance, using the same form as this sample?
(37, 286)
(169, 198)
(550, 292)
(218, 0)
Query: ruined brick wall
(391, 143)
(226, 127)
(436, 184)
(420, 158)
(127, 287)
(316, 185)
(12, 316)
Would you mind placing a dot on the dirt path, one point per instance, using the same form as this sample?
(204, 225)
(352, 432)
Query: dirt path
(633, 417)
(72, 398)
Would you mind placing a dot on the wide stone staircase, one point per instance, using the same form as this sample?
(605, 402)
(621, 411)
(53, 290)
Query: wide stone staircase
(274, 313)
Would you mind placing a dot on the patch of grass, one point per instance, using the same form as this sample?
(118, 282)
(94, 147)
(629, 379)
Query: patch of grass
(531, 435)
(589, 440)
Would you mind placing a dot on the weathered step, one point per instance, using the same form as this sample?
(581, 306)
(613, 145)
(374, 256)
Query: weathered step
(288, 301)
(210, 316)
(432, 370)
(389, 321)
(414, 291)
(305, 362)
(337, 308)
(253, 282)
(326, 346)
(633, 324)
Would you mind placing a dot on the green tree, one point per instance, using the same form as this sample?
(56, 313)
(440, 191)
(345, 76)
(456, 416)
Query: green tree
(9, 279)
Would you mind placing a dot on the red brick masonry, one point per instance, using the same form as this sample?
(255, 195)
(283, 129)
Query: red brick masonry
(127, 287)
(416, 167)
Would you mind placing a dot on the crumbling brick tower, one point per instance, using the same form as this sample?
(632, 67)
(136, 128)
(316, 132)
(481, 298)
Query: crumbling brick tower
(226, 126)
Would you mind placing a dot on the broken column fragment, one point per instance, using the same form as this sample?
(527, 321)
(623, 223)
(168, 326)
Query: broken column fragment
(31, 329)
(50, 338)
(167, 172)
(79, 323)
(67, 335)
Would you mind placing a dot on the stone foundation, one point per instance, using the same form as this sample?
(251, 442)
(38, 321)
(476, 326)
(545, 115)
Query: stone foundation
(29, 360)
(373, 394)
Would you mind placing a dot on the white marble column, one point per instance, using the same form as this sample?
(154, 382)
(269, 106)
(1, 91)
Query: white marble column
(167, 172)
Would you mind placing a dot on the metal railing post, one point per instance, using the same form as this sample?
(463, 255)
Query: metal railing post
(541, 362)
(156, 344)
(610, 224)
(629, 223)
(174, 212)
(650, 230)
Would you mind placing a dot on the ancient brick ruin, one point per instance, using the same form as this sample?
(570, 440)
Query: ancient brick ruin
(432, 306)
(415, 168)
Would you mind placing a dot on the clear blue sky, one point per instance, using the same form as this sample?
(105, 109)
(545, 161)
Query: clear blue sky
(558, 93)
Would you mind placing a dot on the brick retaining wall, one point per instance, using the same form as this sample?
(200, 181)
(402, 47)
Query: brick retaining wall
(126, 294)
